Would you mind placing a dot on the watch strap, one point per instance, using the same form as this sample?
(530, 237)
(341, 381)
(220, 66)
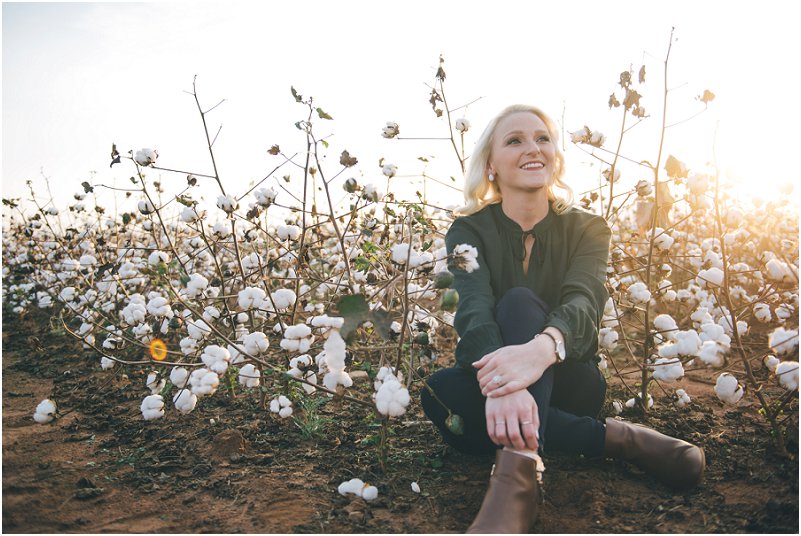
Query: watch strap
(556, 345)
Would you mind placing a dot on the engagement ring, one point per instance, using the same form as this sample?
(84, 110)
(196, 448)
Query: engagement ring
(496, 380)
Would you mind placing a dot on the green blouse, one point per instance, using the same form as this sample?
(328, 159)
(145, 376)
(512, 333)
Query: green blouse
(567, 270)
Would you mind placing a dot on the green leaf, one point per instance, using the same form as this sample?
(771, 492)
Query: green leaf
(381, 323)
(325, 143)
(354, 310)
(298, 97)
(322, 114)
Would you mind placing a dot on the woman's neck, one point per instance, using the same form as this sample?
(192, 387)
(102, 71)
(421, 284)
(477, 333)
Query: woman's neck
(526, 211)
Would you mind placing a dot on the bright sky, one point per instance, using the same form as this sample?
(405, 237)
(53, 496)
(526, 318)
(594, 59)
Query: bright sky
(77, 77)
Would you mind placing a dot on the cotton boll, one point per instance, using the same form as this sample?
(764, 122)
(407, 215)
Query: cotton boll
(631, 402)
(762, 312)
(784, 312)
(415, 487)
(714, 332)
(787, 374)
(45, 412)
(392, 399)
(251, 298)
(255, 343)
(288, 232)
(154, 383)
(204, 382)
(667, 369)
(216, 358)
(711, 354)
(227, 203)
(282, 406)
(179, 377)
(639, 293)
(771, 362)
(283, 298)
(353, 486)
(682, 398)
(728, 389)
(152, 407)
(106, 363)
(666, 323)
(712, 277)
(617, 406)
(465, 258)
(784, 342)
(779, 271)
(184, 401)
(607, 338)
(369, 493)
(249, 376)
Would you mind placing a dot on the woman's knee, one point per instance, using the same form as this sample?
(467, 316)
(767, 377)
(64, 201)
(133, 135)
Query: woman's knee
(520, 314)
(579, 388)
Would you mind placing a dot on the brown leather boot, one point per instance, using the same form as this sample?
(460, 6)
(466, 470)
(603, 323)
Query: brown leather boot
(513, 498)
(675, 462)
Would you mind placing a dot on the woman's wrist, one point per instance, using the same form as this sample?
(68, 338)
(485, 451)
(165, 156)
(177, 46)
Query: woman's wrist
(550, 345)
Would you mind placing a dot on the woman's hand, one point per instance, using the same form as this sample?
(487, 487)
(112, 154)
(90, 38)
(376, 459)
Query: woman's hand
(513, 420)
(515, 367)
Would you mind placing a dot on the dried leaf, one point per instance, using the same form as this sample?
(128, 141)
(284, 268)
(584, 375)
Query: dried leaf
(347, 160)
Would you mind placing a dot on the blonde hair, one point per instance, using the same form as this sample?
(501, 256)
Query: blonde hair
(480, 192)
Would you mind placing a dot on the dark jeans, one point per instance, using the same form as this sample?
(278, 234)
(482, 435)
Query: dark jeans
(569, 396)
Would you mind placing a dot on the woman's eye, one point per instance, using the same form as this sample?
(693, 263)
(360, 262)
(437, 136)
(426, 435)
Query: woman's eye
(544, 139)
(510, 141)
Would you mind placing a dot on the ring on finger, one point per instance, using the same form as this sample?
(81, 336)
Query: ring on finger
(500, 422)
(525, 422)
(497, 379)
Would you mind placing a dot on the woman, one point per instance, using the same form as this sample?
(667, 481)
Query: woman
(527, 380)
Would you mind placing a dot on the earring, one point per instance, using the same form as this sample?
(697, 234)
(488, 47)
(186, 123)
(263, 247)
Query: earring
(491, 177)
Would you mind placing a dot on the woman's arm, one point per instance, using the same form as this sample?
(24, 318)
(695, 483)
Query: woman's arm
(475, 316)
(583, 293)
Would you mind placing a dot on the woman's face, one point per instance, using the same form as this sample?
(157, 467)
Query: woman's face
(523, 155)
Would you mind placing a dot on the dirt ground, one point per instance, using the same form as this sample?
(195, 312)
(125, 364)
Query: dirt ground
(231, 467)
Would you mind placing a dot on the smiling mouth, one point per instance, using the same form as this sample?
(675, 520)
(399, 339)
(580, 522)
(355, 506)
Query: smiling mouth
(533, 165)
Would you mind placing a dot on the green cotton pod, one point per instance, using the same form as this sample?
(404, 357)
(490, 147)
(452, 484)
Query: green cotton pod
(443, 279)
(455, 424)
(450, 299)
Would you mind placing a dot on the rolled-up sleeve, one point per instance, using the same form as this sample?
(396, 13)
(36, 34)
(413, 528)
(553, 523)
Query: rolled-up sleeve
(583, 293)
(475, 316)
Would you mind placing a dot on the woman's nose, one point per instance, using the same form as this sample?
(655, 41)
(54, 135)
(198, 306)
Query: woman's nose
(533, 147)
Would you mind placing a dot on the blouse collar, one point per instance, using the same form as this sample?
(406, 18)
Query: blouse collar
(517, 236)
